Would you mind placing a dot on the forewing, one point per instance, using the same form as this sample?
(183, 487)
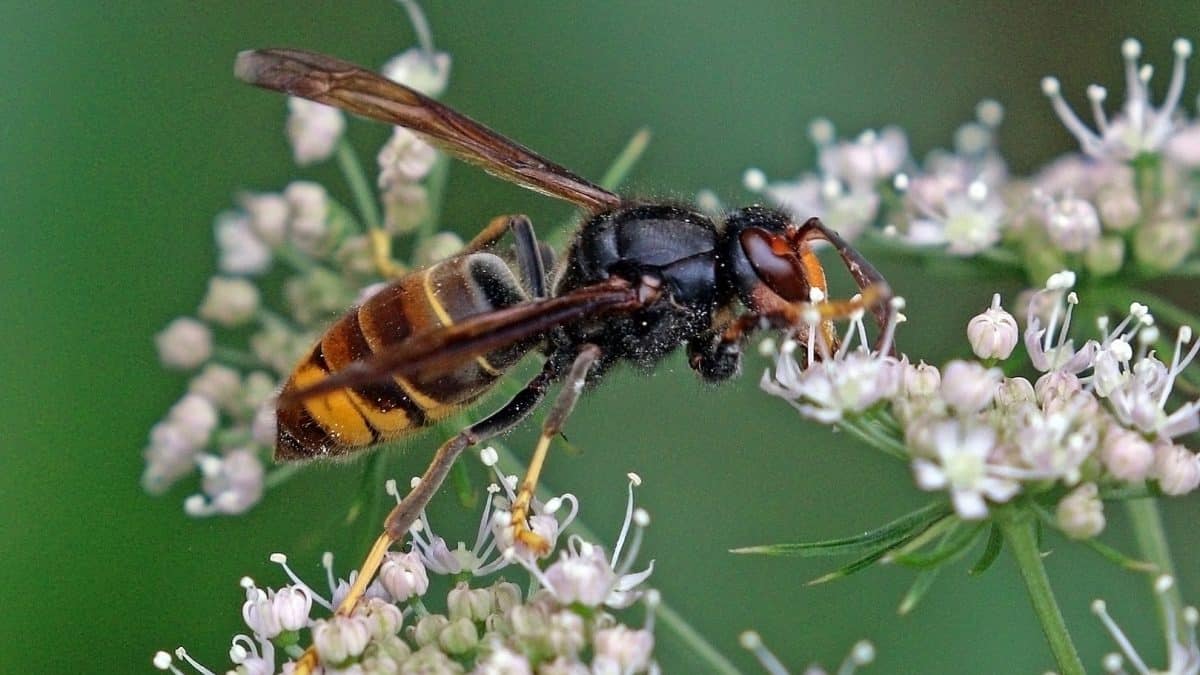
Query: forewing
(354, 89)
(441, 349)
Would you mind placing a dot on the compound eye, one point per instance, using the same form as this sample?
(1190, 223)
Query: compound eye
(775, 262)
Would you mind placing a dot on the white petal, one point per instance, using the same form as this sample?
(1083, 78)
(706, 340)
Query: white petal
(969, 505)
(929, 476)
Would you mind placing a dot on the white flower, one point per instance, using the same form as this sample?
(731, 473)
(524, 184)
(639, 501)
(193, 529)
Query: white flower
(847, 210)
(309, 204)
(313, 129)
(583, 574)
(241, 250)
(870, 158)
(184, 344)
(1139, 127)
(427, 72)
(232, 484)
(993, 334)
(968, 386)
(962, 449)
(220, 384)
(268, 212)
(848, 382)
(1080, 514)
(230, 301)
(1050, 348)
(968, 221)
(503, 661)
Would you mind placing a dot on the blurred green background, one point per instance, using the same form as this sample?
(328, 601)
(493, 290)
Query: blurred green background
(122, 133)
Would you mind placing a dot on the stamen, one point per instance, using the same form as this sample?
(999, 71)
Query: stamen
(821, 131)
(1178, 364)
(752, 642)
(327, 563)
(1088, 140)
(162, 661)
(634, 480)
(1096, 94)
(281, 560)
(754, 180)
(489, 456)
(861, 654)
(1100, 609)
(182, 655)
(652, 599)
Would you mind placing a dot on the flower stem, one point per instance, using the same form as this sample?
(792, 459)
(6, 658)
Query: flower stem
(353, 172)
(1152, 544)
(1017, 526)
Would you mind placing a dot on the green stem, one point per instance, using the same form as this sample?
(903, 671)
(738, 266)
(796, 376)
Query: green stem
(1152, 544)
(668, 617)
(359, 187)
(1018, 527)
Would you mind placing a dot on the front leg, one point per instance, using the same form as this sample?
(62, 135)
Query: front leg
(555, 419)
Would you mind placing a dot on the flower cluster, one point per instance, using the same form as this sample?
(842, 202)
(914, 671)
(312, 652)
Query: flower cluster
(560, 623)
(1098, 415)
(288, 262)
(1126, 205)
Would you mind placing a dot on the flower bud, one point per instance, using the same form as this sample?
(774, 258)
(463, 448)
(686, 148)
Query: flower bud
(1176, 468)
(629, 649)
(1072, 224)
(1014, 392)
(259, 613)
(922, 380)
(1081, 513)
(505, 596)
(184, 344)
(195, 417)
(459, 637)
(428, 629)
(1119, 208)
(470, 603)
(1126, 455)
(1162, 246)
(313, 129)
(405, 158)
(292, 605)
(230, 301)
(993, 334)
(1105, 256)
(340, 638)
(969, 387)
(403, 575)
(383, 618)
